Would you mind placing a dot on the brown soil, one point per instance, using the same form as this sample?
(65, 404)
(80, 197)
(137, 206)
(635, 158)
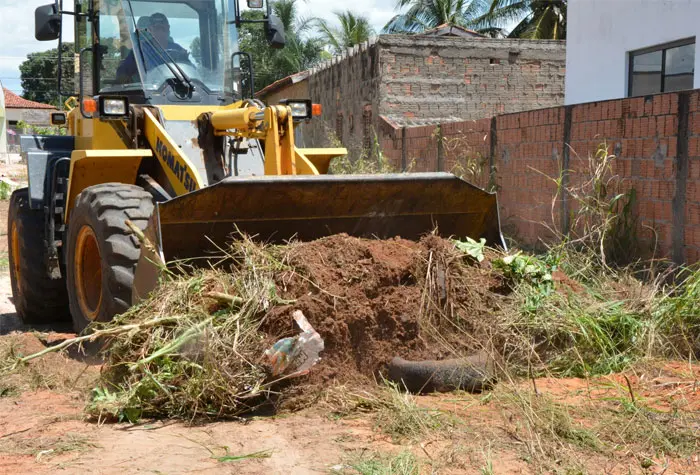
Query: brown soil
(42, 429)
(366, 297)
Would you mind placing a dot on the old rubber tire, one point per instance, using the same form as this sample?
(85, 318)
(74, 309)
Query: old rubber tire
(102, 252)
(37, 297)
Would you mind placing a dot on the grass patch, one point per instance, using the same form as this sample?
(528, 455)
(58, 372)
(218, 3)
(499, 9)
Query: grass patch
(398, 415)
(46, 447)
(263, 454)
(375, 463)
(4, 261)
(649, 432)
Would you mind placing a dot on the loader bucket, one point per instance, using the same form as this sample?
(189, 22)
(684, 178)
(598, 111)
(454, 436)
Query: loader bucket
(277, 209)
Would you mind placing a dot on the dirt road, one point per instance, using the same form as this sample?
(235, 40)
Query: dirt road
(42, 432)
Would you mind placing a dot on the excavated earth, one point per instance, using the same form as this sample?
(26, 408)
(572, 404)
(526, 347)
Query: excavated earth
(366, 299)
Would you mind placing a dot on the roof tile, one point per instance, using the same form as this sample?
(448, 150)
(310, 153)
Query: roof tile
(13, 101)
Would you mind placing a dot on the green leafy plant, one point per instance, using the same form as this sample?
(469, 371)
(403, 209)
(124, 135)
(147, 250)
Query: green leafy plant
(472, 248)
(521, 267)
(5, 191)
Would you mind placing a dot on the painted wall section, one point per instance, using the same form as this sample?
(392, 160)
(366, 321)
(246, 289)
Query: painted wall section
(601, 33)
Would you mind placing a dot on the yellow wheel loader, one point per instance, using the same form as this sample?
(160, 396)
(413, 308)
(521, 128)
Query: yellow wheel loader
(165, 141)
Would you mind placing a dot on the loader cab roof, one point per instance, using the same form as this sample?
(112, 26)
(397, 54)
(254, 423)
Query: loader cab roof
(146, 48)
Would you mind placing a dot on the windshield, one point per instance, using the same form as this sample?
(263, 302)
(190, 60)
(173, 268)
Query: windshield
(139, 38)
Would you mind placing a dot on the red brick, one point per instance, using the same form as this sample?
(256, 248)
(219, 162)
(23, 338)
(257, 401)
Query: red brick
(648, 107)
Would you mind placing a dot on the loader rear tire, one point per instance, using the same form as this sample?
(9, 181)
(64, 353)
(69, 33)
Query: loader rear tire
(38, 298)
(102, 252)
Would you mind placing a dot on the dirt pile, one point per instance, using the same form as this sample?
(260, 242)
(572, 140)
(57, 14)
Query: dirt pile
(372, 300)
(198, 347)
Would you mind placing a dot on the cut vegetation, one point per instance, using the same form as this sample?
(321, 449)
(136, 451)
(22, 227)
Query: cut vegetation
(594, 362)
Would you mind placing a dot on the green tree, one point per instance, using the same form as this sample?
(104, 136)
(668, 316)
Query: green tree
(354, 30)
(39, 75)
(423, 15)
(534, 19)
(300, 53)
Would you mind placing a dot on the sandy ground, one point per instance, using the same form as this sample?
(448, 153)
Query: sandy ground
(49, 430)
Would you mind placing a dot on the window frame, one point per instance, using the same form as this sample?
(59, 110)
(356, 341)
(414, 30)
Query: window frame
(651, 49)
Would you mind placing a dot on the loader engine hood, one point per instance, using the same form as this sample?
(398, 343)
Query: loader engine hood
(180, 123)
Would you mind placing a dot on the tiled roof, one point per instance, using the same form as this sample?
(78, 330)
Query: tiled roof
(289, 80)
(447, 28)
(13, 101)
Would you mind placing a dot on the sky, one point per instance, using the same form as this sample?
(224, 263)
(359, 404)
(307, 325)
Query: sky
(17, 31)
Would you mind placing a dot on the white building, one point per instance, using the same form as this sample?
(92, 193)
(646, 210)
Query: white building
(624, 48)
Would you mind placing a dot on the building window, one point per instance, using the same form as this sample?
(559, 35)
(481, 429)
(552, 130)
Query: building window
(665, 68)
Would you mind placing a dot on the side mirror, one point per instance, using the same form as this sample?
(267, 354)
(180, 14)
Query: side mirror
(58, 118)
(47, 23)
(274, 32)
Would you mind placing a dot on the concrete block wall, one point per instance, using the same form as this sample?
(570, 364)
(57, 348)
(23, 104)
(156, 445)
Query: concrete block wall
(418, 81)
(467, 78)
(347, 88)
(655, 139)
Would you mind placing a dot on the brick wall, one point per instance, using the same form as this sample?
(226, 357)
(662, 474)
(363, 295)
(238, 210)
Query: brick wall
(468, 78)
(421, 80)
(656, 141)
(691, 238)
(347, 88)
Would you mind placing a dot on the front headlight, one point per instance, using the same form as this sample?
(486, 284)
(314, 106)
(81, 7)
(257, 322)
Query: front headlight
(301, 108)
(115, 107)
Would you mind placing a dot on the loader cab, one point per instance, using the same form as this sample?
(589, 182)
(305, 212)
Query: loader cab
(161, 52)
(157, 51)
(164, 52)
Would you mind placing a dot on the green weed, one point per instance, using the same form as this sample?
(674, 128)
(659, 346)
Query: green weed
(360, 160)
(472, 248)
(5, 191)
(263, 454)
(398, 415)
(375, 463)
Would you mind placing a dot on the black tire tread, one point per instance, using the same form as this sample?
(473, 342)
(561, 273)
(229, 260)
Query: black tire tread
(38, 298)
(106, 208)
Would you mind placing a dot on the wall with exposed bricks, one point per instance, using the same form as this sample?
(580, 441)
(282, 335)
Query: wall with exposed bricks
(424, 78)
(655, 140)
(419, 80)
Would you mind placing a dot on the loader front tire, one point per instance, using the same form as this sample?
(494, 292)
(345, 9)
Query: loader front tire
(38, 298)
(102, 252)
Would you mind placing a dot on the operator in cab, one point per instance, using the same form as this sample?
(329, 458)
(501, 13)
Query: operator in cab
(158, 27)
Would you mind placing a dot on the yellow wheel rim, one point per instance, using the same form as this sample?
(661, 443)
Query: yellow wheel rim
(88, 272)
(16, 269)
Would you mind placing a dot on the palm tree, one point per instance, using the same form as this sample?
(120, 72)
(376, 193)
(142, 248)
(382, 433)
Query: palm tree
(535, 19)
(426, 14)
(354, 30)
(301, 51)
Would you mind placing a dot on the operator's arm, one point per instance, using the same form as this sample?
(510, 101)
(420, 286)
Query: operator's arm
(127, 68)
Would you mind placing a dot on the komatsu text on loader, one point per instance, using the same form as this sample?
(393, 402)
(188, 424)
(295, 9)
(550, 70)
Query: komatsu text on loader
(164, 135)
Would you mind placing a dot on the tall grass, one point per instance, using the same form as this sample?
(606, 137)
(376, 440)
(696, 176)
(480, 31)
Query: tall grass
(193, 355)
